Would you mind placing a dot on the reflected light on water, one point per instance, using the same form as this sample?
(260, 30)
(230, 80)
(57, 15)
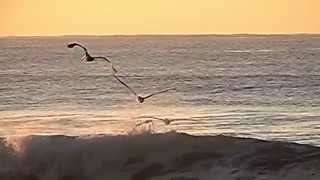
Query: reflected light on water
(260, 122)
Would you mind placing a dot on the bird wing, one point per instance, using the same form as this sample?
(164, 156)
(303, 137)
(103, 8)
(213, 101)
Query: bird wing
(156, 118)
(81, 46)
(159, 92)
(114, 69)
(131, 90)
(165, 120)
(104, 58)
(144, 122)
(84, 48)
(152, 117)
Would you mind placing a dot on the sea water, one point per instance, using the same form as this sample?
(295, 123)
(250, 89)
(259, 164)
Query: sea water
(260, 86)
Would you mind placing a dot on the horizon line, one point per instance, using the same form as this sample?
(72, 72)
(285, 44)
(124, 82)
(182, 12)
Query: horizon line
(163, 34)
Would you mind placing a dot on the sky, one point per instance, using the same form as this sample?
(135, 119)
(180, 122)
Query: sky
(126, 17)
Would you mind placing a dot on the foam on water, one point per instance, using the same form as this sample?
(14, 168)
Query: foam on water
(155, 156)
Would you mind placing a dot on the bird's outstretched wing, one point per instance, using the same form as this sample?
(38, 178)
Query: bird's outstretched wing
(143, 122)
(131, 90)
(71, 45)
(102, 57)
(152, 117)
(114, 69)
(159, 92)
(106, 59)
(165, 120)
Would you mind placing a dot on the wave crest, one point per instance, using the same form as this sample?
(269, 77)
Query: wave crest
(148, 156)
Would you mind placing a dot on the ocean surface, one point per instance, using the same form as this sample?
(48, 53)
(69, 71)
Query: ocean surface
(259, 86)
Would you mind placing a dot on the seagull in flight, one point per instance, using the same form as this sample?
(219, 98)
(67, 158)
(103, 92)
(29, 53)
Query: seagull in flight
(90, 58)
(166, 121)
(141, 99)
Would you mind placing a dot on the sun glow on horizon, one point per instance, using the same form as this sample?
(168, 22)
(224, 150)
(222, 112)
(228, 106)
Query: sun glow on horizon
(99, 17)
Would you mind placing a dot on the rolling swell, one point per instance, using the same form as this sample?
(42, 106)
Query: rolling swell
(157, 157)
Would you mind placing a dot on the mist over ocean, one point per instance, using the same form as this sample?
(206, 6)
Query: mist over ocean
(264, 87)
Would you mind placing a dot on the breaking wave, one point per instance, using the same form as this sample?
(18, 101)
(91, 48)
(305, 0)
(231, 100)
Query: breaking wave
(169, 156)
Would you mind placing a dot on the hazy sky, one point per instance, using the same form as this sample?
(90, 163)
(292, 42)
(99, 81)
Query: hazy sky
(74, 17)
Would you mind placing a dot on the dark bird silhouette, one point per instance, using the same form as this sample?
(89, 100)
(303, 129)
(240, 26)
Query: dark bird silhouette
(141, 99)
(90, 58)
(166, 121)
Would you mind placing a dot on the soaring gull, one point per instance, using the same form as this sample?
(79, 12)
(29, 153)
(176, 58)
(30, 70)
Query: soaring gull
(166, 121)
(90, 58)
(141, 99)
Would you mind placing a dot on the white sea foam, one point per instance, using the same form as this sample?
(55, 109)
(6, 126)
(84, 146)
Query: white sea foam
(155, 157)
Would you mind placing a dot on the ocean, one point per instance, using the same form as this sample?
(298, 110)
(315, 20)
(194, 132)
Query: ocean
(257, 86)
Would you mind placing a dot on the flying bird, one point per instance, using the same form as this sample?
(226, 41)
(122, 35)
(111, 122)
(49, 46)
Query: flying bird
(166, 121)
(141, 99)
(90, 58)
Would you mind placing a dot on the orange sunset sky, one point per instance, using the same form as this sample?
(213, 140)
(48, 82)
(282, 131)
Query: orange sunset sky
(109, 17)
